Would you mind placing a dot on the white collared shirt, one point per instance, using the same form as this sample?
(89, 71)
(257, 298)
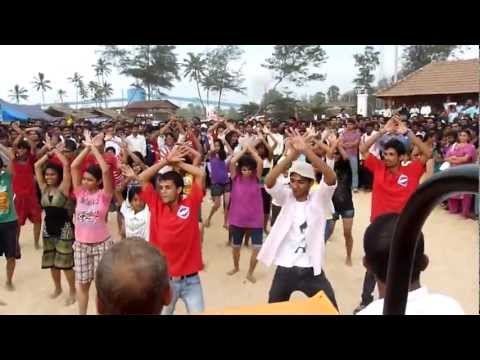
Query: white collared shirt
(314, 228)
(420, 302)
(137, 143)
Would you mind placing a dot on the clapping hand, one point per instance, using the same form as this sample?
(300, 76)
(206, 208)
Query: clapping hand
(88, 138)
(299, 142)
(177, 155)
(98, 139)
(127, 171)
(391, 125)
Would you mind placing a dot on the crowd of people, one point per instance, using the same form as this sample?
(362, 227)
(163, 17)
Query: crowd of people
(281, 187)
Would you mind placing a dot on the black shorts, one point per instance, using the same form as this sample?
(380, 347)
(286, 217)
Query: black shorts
(267, 201)
(9, 245)
(220, 189)
(345, 214)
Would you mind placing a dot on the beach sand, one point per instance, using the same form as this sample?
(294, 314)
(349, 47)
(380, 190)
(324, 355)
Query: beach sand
(451, 244)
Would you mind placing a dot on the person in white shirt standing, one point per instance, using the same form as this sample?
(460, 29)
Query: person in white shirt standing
(296, 243)
(376, 243)
(137, 142)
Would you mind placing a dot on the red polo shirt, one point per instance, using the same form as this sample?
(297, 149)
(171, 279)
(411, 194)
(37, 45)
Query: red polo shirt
(175, 231)
(391, 191)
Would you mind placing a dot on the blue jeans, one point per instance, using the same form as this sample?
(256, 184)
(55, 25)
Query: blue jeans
(190, 291)
(353, 159)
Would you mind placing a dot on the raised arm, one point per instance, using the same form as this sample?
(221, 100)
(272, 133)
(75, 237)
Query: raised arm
(38, 167)
(75, 167)
(106, 173)
(290, 156)
(390, 126)
(257, 158)
(234, 160)
(425, 150)
(67, 176)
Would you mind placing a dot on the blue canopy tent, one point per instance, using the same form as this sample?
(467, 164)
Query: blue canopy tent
(14, 112)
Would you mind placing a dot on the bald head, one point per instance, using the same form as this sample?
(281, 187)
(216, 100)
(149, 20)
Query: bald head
(132, 278)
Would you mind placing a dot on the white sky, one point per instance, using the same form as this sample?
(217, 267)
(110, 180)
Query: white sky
(20, 63)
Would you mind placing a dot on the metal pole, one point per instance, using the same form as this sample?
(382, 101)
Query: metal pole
(396, 64)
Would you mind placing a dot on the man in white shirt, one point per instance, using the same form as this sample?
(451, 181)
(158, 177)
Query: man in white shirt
(426, 110)
(137, 142)
(376, 242)
(296, 243)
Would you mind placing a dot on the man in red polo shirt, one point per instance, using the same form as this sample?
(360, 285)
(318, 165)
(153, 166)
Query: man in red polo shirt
(174, 226)
(393, 183)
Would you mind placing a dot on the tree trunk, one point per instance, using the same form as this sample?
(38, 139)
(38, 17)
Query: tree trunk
(219, 98)
(76, 98)
(200, 96)
(43, 98)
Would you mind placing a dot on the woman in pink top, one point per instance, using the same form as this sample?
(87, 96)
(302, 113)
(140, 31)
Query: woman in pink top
(92, 237)
(246, 205)
(460, 153)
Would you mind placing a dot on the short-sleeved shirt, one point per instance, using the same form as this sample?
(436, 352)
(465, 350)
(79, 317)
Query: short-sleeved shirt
(7, 207)
(391, 191)
(23, 180)
(350, 137)
(175, 231)
(90, 214)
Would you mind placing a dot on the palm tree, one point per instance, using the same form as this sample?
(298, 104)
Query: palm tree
(83, 90)
(18, 93)
(61, 93)
(41, 84)
(107, 91)
(195, 67)
(76, 80)
(102, 70)
(96, 91)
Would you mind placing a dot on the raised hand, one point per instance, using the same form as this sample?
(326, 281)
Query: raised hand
(127, 171)
(392, 124)
(60, 146)
(299, 142)
(48, 142)
(176, 155)
(98, 139)
(88, 138)
(401, 128)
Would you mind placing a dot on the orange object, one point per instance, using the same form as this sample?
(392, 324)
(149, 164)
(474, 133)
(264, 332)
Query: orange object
(316, 305)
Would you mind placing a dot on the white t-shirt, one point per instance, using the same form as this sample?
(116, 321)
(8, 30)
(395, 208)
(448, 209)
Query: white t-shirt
(420, 302)
(425, 110)
(138, 143)
(293, 250)
(374, 149)
(285, 181)
(136, 224)
(280, 143)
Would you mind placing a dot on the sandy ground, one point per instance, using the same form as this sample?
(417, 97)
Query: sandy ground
(451, 243)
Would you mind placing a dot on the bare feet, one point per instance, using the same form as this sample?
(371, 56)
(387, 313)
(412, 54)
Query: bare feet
(9, 286)
(207, 223)
(56, 293)
(251, 278)
(71, 299)
(348, 262)
(231, 272)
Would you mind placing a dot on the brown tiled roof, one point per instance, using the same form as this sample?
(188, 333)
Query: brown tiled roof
(154, 104)
(443, 77)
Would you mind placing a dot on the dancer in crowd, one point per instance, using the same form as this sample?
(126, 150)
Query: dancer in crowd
(174, 226)
(393, 184)
(296, 243)
(93, 191)
(351, 139)
(58, 231)
(246, 205)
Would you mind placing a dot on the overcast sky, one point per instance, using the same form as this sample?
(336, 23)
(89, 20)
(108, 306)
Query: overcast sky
(20, 63)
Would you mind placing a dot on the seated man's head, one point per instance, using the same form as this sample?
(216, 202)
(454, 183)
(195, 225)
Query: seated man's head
(132, 278)
(376, 243)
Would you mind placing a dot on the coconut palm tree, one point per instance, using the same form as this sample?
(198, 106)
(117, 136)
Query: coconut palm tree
(107, 91)
(96, 91)
(83, 90)
(102, 70)
(76, 80)
(18, 93)
(194, 67)
(41, 84)
(61, 93)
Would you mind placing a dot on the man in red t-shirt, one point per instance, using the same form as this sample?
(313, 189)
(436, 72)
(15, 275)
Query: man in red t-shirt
(393, 183)
(174, 226)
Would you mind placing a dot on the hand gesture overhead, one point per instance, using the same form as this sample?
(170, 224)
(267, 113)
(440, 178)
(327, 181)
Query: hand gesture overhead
(299, 142)
(392, 124)
(176, 155)
(98, 139)
(127, 171)
(88, 138)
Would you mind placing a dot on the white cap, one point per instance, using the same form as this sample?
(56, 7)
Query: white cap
(303, 169)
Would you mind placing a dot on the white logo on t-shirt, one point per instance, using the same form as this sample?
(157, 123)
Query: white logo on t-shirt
(403, 180)
(183, 212)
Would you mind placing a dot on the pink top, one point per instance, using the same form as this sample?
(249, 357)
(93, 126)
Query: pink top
(349, 137)
(246, 203)
(460, 151)
(90, 214)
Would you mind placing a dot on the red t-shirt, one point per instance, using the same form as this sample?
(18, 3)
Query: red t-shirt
(391, 191)
(23, 180)
(175, 231)
(111, 160)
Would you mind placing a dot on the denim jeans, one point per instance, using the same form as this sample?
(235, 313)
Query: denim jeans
(190, 291)
(353, 159)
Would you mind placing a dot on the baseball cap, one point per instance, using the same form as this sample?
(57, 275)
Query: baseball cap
(303, 169)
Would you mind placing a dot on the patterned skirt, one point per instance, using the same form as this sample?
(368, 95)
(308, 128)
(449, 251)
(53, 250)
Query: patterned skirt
(58, 250)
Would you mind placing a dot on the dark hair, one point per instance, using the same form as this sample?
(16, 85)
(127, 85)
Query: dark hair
(111, 148)
(246, 161)
(376, 244)
(396, 145)
(95, 171)
(132, 191)
(23, 144)
(70, 145)
(1, 163)
(170, 134)
(350, 121)
(221, 154)
(132, 278)
(55, 167)
(173, 176)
